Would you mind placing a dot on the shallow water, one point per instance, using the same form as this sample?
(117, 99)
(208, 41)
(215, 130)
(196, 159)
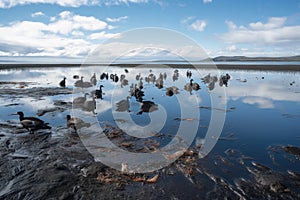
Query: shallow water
(261, 109)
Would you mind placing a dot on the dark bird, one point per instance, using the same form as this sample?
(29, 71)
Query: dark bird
(224, 80)
(76, 123)
(195, 86)
(62, 83)
(102, 76)
(116, 78)
(170, 91)
(75, 77)
(137, 77)
(126, 70)
(99, 92)
(32, 123)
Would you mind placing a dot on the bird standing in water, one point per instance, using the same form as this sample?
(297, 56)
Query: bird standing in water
(62, 83)
(195, 86)
(90, 105)
(99, 92)
(32, 123)
(76, 123)
(80, 100)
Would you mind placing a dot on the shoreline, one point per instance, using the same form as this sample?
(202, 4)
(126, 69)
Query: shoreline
(260, 67)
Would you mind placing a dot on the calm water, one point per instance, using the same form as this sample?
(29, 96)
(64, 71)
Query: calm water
(262, 109)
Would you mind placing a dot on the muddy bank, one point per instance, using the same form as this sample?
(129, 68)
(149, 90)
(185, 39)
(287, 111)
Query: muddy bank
(34, 92)
(55, 165)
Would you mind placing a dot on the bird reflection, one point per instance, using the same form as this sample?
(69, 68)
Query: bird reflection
(124, 82)
(165, 76)
(140, 84)
(147, 106)
(123, 105)
(93, 79)
(80, 100)
(90, 105)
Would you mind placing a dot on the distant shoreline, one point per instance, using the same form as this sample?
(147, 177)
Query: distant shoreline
(267, 67)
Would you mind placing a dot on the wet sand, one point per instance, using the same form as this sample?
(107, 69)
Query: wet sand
(267, 67)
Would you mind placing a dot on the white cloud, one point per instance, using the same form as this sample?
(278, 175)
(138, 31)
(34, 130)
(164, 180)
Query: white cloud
(273, 22)
(207, 1)
(187, 19)
(64, 35)
(116, 19)
(69, 22)
(260, 101)
(71, 3)
(274, 32)
(77, 33)
(103, 35)
(195, 24)
(231, 48)
(198, 25)
(36, 14)
(230, 25)
(127, 2)
(263, 94)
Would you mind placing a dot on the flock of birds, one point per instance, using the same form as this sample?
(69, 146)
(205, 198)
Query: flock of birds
(136, 90)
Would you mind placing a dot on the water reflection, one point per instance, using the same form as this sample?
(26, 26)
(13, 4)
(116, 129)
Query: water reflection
(123, 105)
(262, 108)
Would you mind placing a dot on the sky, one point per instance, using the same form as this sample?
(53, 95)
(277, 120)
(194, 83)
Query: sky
(75, 28)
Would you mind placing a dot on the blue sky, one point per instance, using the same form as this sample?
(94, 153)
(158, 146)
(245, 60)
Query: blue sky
(74, 28)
